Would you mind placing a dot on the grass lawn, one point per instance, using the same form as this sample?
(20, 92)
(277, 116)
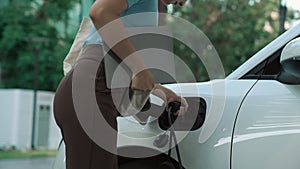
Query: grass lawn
(26, 154)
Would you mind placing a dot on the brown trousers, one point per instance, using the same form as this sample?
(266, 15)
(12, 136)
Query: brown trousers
(81, 151)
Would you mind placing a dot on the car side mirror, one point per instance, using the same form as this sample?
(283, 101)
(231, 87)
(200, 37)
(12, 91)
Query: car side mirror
(290, 62)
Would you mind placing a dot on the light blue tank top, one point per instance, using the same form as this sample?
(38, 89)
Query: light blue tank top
(146, 15)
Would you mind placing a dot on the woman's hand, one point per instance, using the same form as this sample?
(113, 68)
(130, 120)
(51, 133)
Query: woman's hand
(143, 80)
(169, 96)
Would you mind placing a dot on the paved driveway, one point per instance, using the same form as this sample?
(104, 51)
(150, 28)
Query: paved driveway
(31, 163)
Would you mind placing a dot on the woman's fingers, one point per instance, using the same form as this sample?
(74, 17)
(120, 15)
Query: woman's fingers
(169, 96)
(183, 108)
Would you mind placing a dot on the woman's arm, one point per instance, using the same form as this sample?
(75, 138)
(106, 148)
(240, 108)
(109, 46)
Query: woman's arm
(105, 16)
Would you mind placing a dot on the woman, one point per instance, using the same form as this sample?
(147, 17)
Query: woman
(81, 151)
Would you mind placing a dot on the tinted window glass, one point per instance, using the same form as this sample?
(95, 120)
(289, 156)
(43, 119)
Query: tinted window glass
(268, 69)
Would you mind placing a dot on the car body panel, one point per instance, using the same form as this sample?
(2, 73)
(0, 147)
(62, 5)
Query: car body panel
(267, 131)
(196, 152)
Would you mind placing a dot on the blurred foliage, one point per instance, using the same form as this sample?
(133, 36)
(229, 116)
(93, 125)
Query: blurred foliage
(236, 28)
(29, 29)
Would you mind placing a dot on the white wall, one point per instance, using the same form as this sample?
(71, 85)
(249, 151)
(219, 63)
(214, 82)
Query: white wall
(8, 117)
(23, 121)
(16, 116)
(44, 98)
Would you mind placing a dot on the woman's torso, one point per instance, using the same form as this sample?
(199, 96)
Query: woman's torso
(139, 13)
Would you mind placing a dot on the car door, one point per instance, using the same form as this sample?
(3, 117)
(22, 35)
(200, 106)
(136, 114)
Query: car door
(267, 128)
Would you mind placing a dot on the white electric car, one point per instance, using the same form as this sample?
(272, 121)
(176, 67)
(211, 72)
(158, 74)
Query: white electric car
(249, 120)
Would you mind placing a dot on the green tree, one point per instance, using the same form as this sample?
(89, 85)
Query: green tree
(236, 28)
(30, 28)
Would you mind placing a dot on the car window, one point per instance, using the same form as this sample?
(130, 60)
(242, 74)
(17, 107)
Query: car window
(268, 69)
(273, 66)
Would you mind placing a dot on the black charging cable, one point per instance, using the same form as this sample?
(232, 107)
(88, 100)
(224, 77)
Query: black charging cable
(173, 107)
